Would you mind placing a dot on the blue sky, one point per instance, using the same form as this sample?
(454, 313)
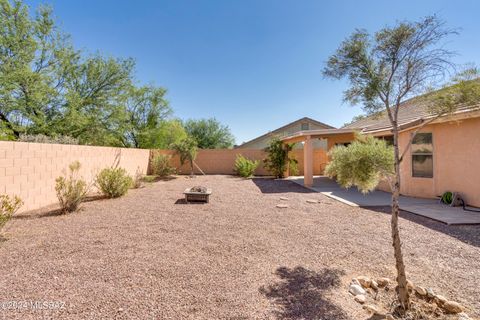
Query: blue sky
(252, 64)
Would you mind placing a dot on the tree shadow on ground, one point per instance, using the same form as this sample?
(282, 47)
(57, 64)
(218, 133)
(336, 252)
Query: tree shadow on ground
(469, 234)
(279, 186)
(300, 294)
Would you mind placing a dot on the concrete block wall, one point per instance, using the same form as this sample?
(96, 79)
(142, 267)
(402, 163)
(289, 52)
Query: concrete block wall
(29, 170)
(222, 161)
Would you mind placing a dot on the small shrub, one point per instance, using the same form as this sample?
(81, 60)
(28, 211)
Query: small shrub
(137, 179)
(71, 189)
(161, 165)
(114, 182)
(149, 179)
(245, 167)
(8, 207)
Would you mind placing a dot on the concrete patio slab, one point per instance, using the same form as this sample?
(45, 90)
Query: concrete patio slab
(430, 208)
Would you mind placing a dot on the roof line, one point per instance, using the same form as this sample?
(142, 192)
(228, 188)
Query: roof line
(285, 126)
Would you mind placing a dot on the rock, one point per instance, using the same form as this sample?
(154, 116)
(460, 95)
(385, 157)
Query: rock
(284, 198)
(421, 291)
(374, 285)
(463, 316)
(282, 205)
(452, 307)
(389, 317)
(409, 285)
(364, 281)
(430, 293)
(360, 298)
(355, 289)
(440, 300)
(371, 308)
(382, 282)
(355, 281)
(312, 201)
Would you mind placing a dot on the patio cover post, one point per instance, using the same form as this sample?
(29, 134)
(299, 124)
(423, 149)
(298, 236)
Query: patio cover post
(308, 162)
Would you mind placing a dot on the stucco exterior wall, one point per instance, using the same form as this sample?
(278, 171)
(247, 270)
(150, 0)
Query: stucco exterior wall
(29, 170)
(456, 162)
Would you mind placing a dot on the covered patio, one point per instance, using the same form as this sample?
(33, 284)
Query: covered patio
(430, 208)
(332, 136)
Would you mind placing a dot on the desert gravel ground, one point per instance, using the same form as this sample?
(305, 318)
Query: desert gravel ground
(150, 256)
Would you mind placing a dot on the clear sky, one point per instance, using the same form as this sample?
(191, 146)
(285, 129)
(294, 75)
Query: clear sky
(254, 65)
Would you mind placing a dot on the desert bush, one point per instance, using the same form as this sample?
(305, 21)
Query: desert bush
(71, 188)
(113, 182)
(245, 167)
(363, 163)
(161, 165)
(137, 179)
(8, 207)
(277, 159)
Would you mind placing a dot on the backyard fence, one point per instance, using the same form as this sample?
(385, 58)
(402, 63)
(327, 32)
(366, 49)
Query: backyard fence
(29, 170)
(222, 161)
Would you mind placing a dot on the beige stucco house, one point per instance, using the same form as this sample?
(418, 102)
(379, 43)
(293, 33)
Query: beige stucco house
(303, 124)
(444, 156)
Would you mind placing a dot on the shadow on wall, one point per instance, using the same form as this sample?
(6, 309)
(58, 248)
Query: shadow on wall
(469, 234)
(300, 294)
(279, 186)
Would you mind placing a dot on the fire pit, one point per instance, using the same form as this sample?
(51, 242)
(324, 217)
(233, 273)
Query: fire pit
(197, 194)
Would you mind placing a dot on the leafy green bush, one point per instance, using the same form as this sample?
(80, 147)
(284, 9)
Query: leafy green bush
(8, 207)
(363, 163)
(245, 167)
(114, 182)
(277, 159)
(161, 165)
(71, 189)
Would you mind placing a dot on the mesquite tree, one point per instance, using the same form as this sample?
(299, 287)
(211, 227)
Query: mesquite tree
(384, 70)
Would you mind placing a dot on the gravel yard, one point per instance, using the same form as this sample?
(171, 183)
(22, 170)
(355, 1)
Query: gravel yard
(150, 256)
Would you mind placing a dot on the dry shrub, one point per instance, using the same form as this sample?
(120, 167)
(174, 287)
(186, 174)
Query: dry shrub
(71, 188)
(8, 207)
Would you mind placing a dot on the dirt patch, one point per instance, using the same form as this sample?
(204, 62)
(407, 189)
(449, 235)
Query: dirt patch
(237, 257)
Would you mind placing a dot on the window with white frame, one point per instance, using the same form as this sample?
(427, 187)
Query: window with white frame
(305, 126)
(422, 155)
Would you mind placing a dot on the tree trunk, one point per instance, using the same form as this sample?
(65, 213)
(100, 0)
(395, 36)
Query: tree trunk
(402, 290)
(192, 173)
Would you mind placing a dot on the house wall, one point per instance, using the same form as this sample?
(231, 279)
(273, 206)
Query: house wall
(296, 127)
(456, 162)
(29, 170)
(222, 161)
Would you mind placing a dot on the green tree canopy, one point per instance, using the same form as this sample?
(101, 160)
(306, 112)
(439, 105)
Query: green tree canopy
(209, 133)
(49, 88)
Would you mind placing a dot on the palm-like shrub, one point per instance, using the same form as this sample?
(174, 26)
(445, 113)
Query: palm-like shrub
(277, 160)
(71, 189)
(245, 167)
(161, 165)
(113, 182)
(8, 207)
